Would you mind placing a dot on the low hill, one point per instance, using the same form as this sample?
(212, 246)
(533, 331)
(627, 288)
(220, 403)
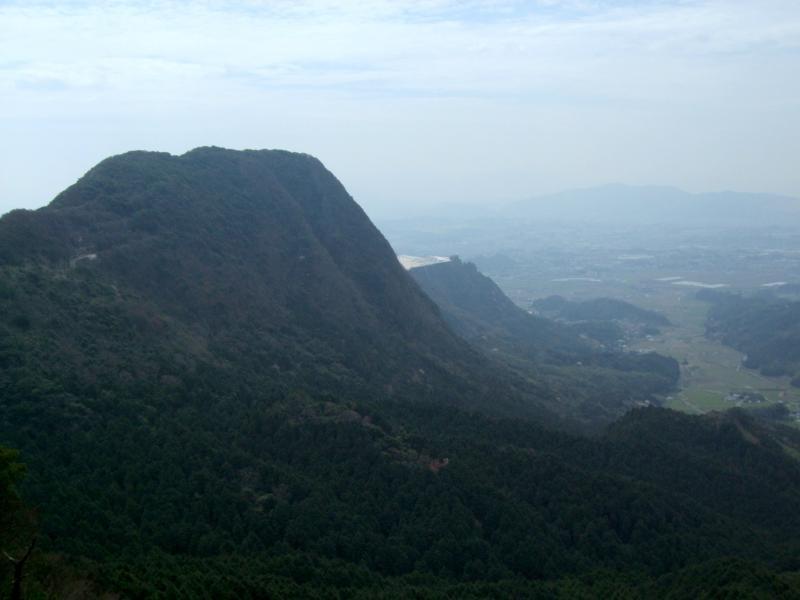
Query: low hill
(765, 327)
(599, 309)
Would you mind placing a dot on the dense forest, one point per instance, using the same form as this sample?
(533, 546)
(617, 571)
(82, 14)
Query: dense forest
(222, 384)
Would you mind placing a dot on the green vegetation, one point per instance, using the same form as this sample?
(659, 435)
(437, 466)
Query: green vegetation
(598, 309)
(243, 395)
(710, 371)
(640, 266)
(765, 327)
(17, 527)
(589, 381)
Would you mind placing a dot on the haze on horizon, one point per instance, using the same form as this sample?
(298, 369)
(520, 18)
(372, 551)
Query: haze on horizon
(411, 104)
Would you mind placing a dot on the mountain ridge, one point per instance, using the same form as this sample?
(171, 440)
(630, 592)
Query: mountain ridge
(621, 203)
(589, 378)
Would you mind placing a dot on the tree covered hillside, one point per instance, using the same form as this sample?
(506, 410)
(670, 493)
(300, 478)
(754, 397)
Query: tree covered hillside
(223, 385)
(588, 380)
(765, 327)
(255, 269)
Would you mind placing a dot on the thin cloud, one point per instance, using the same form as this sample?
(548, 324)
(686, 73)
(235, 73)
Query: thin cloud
(452, 49)
(664, 78)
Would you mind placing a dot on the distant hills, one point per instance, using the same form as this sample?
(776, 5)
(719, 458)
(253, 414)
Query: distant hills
(589, 379)
(500, 236)
(618, 203)
(598, 309)
(649, 205)
(476, 308)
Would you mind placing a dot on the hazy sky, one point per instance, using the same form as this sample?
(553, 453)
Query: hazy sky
(410, 103)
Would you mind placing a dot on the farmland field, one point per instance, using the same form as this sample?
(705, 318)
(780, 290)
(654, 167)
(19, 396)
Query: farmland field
(710, 371)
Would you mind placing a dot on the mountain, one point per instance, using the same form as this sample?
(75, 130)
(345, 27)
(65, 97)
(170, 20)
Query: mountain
(648, 205)
(193, 267)
(224, 385)
(476, 308)
(589, 380)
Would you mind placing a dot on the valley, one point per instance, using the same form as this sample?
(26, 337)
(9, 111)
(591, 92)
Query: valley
(653, 268)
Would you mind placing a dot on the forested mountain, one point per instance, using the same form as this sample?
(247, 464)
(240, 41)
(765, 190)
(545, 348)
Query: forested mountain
(224, 385)
(589, 379)
(765, 327)
(255, 269)
(476, 308)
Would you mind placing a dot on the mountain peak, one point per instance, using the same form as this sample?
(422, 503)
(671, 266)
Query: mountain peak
(258, 256)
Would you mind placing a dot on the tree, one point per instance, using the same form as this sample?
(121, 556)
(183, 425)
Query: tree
(17, 523)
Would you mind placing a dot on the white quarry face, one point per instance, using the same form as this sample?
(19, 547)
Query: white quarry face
(413, 262)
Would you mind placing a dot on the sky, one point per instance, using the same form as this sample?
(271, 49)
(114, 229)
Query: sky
(411, 105)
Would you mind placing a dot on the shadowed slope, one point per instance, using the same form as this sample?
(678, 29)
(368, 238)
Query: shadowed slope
(260, 258)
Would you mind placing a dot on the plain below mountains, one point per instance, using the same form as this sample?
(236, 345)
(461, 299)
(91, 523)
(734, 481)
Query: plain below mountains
(764, 326)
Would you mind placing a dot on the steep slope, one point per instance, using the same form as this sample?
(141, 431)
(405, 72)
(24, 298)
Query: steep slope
(477, 308)
(217, 260)
(589, 381)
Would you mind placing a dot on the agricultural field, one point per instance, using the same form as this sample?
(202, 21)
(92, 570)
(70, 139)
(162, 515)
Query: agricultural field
(712, 376)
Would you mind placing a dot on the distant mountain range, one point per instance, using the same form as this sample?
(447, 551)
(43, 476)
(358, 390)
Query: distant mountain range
(625, 204)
